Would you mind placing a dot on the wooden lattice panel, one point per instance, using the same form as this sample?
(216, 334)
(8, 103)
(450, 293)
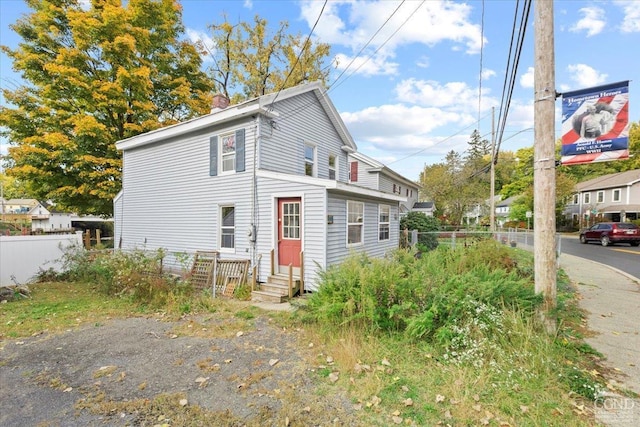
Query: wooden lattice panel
(201, 274)
(230, 273)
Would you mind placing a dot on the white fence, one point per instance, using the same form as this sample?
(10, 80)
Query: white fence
(22, 257)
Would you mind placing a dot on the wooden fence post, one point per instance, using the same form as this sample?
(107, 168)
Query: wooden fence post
(87, 239)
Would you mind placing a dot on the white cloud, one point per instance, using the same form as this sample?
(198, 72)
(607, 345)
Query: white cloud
(631, 20)
(399, 127)
(527, 79)
(487, 74)
(585, 76)
(593, 21)
(453, 96)
(353, 24)
(376, 65)
(203, 39)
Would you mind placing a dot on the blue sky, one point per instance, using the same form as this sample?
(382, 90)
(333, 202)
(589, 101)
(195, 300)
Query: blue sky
(414, 91)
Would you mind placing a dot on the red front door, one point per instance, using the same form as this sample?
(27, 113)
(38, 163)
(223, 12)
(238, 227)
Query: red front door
(289, 232)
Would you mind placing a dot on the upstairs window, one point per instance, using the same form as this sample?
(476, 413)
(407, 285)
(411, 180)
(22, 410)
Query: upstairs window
(586, 198)
(616, 195)
(576, 199)
(383, 222)
(600, 197)
(332, 166)
(309, 160)
(226, 153)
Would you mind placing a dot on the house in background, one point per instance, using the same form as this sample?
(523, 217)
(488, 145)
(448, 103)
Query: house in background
(428, 208)
(613, 197)
(48, 219)
(265, 180)
(369, 173)
(503, 210)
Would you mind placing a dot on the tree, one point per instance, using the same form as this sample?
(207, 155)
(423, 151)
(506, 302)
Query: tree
(425, 225)
(95, 74)
(248, 62)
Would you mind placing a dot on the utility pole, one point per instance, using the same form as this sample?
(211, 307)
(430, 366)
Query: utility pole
(492, 202)
(544, 173)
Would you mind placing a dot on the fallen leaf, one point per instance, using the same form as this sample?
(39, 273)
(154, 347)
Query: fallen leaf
(408, 402)
(385, 362)
(396, 413)
(439, 398)
(329, 360)
(67, 390)
(183, 402)
(239, 334)
(477, 408)
(397, 420)
(447, 414)
(273, 362)
(333, 377)
(524, 408)
(476, 397)
(405, 388)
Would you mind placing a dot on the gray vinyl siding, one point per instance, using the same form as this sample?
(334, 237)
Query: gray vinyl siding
(313, 231)
(367, 179)
(337, 248)
(171, 202)
(302, 120)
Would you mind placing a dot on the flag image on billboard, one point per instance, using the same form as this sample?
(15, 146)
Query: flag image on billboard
(595, 124)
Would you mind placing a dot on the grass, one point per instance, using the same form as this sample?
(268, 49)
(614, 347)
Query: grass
(58, 306)
(479, 357)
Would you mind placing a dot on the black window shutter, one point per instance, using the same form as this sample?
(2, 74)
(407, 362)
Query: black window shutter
(240, 150)
(213, 156)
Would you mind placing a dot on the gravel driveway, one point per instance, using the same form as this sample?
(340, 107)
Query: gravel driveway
(117, 374)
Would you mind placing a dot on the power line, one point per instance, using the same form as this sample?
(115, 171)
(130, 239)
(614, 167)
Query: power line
(304, 45)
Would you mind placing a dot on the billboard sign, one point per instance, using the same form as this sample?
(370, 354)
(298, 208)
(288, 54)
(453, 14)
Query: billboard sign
(595, 124)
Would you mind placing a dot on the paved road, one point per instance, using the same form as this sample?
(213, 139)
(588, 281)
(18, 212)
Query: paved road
(622, 257)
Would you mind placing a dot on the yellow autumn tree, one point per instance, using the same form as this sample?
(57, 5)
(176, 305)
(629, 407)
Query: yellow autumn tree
(95, 72)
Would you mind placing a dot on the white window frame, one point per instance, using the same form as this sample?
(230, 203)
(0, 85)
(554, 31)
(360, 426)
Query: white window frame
(333, 168)
(384, 222)
(229, 229)
(310, 161)
(600, 196)
(617, 192)
(355, 219)
(576, 199)
(231, 156)
(586, 198)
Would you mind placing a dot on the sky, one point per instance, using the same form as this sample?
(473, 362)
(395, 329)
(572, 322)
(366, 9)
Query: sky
(415, 78)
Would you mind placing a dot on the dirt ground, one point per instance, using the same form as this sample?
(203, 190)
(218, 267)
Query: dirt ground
(147, 371)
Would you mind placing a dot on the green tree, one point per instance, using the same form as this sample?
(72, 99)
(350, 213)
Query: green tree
(425, 225)
(249, 61)
(95, 74)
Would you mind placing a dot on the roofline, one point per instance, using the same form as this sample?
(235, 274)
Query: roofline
(330, 184)
(380, 167)
(218, 117)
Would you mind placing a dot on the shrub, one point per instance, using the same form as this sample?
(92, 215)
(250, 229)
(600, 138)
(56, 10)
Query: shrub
(426, 225)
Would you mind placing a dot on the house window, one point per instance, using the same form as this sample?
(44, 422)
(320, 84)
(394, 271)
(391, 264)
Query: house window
(383, 222)
(616, 195)
(309, 160)
(586, 198)
(227, 227)
(332, 166)
(576, 199)
(600, 197)
(355, 222)
(228, 152)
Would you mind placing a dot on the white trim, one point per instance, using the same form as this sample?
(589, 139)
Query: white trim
(388, 223)
(220, 226)
(598, 194)
(361, 242)
(274, 220)
(613, 195)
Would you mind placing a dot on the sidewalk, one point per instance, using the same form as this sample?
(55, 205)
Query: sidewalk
(611, 299)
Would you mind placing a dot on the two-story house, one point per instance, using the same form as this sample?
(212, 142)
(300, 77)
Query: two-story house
(370, 173)
(265, 180)
(614, 197)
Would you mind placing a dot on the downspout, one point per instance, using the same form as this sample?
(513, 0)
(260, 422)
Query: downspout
(254, 193)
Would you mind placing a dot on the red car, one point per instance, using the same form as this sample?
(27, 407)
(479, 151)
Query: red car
(608, 233)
